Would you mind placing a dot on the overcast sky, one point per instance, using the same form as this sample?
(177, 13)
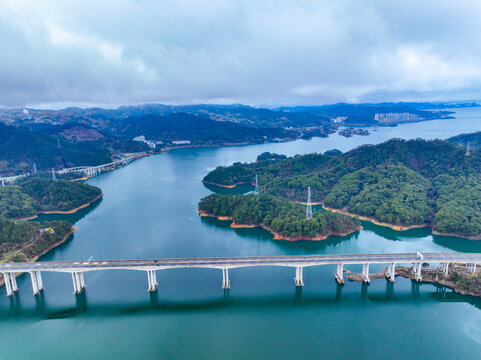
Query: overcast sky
(261, 52)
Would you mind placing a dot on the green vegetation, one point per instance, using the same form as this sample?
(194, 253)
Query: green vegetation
(389, 193)
(14, 203)
(20, 148)
(59, 195)
(474, 140)
(283, 217)
(35, 194)
(404, 183)
(270, 156)
(24, 240)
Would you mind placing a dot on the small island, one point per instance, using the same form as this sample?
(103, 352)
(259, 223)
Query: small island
(350, 132)
(283, 218)
(401, 184)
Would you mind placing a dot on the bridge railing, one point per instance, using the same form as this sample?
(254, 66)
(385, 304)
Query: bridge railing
(77, 268)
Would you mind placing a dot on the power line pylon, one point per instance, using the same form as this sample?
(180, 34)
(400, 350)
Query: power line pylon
(54, 177)
(256, 191)
(309, 204)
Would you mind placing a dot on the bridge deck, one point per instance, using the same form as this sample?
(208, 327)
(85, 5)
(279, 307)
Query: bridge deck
(237, 262)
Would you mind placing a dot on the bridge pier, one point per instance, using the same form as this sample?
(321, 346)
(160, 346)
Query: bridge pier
(391, 272)
(444, 267)
(10, 283)
(417, 271)
(298, 279)
(37, 284)
(472, 267)
(365, 273)
(78, 282)
(340, 274)
(152, 279)
(225, 279)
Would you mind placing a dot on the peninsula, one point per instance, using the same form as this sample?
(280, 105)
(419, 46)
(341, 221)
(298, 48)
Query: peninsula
(33, 195)
(402, 184)
(283, 218)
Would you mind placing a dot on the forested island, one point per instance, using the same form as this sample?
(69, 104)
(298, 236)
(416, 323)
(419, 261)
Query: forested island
(32, 195)
(398, 183)
(284, 218)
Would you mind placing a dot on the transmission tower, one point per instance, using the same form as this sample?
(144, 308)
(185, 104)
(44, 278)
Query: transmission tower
(34, 168)
(54, 177)
(309, 204)
(468, 150)
(58, 142)
(256, 191)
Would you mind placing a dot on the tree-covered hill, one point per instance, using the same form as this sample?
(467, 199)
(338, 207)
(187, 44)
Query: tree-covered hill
(31, 195)
(20, 148)
(474, 140)
(182, 126)
(284, 218)
(25, 240)
(405, 183)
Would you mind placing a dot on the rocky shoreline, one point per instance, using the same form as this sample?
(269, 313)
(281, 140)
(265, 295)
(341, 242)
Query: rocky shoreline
(71, 211)
(277, 236)
(459, 279)
(365, 218)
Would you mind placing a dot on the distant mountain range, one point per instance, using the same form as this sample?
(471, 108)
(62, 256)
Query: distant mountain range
(92, 136)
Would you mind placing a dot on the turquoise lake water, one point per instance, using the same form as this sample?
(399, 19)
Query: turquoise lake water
(149, 210)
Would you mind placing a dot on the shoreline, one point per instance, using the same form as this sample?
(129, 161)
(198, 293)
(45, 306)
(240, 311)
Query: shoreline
(277, 236)
(400, 227)
(43, 252)
(72, 211)
(228, 186)
(374, 221)
(367, 218)
(432, 277)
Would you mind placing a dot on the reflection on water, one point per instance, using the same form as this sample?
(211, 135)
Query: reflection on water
(150, 210)
(419, 293)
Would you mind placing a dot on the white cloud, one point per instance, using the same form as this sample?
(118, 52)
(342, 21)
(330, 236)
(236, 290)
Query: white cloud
(258, 52)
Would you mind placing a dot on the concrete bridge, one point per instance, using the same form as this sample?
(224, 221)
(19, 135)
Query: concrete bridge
(150, 266)
(9, 179)
(87, 170)
(94, 170)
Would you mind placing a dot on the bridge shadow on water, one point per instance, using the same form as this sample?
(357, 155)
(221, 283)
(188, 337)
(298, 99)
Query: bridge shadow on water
(225, 301)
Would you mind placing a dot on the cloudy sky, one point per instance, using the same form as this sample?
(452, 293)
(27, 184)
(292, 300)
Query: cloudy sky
(262, 52)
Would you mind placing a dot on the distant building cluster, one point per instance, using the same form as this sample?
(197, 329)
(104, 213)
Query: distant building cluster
(151, 143)
(181, 142)
(396, 117)
(154, 143)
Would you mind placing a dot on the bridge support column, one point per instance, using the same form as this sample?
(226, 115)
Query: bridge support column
(13, 280)
(298, 279)
(10, 283)
(365, 273)
(78, 282)
(472, 267)
(417, 271)
(391, 272)
(152, 279)
(33, 278)
(225, 279)
(340, 274)
(444, 267)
